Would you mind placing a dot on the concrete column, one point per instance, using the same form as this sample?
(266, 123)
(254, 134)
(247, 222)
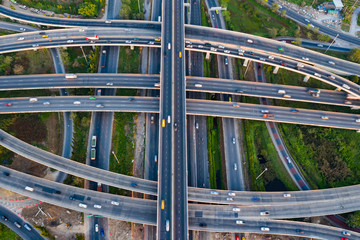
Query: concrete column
(276, 70)
(338, 89)
(207, 56)
(246, 62)
(306, 78)
(132, 47)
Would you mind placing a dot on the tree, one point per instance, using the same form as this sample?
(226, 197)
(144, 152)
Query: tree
(355, 55)
(283, 13)
(297, 32)
(316, 29)
(297, 41)
(273, 32)
(323, 38)
(354, 78)
(303, 3)
(283, 32)
(87, 9)
(309, 35)
(18, 69)
(354, 219)
(125, 11)
(274, 7)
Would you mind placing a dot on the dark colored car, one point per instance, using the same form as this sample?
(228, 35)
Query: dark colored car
(42, 33)
(6, 174)
(131, 99)
(102, 232)
(207, 44)
(256, 199)
(175, 126)
(299, 231)
(294, 110)
(72, 198)
(202, 224)
(283, 64)
(251, 53)
(133, 184)
(4, 218)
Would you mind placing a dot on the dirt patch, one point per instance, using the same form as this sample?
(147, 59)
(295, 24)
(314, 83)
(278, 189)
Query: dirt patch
(61, 223)
(54, 133)
(29, 128)
(119, 230)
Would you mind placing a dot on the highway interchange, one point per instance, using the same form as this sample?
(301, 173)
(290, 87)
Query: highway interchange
(178, 185)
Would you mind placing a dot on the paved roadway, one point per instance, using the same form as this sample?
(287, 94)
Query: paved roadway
(217, 218)
(179, 199)
(323, 29)
(164, 201)
(210, 34)
(211, 85)
(195, 194)
(22, 232)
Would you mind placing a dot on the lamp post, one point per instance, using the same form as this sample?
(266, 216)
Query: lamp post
(261, 173)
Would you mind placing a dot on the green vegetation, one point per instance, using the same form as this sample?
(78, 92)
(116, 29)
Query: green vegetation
(205, 19)
(132, 9)
(86, 8)
(358, 20)
(81, 122)
(26, 62)
(353, 219)
(129, 60)
(44, 232)
(328, 157)
(123, 145)
(7, 234)
(355, 55)
(75, 62)
(214, 149)
(261, 154)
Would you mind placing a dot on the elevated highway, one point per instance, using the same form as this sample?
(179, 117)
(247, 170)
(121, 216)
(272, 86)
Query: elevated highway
(216, 218)
(145, 81)
(194, 194)
(193, 106)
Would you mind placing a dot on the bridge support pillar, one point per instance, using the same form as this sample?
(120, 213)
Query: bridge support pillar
(306, 78)
(132, 47)
(338, 89)
(246, 62)
(207, 56)
(276, 70)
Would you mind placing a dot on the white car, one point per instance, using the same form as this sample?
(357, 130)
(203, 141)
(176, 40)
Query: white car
(115, 203)
(307, 20)
(187, 42)
(229, 199)
(331, 62)
(288, 159)
(236, 209)
(305, 58)
(46, 103)
(109, 84)
(346, 86)
(231, 194)
(264, 213)
(151, 43)
(239, 222)
(127, 41)
(81, 30)
(287, 195)
(97, 206)
(21, 38)
(107, 21)
(70, 41)
(250, 41)
(96, 227)
(77, 102)
(271, 57)
(265, 229)
(226, 51)
(214, 193)
(200, 46)
(82, 205)
(346, 233)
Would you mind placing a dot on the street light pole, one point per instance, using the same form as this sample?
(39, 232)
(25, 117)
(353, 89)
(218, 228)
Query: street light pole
(115, 157)
(332, 43)
(261, 173)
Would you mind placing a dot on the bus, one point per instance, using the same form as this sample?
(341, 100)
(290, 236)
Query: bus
(93, 154)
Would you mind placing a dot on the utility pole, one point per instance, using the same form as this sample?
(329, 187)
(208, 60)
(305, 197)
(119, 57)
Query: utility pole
(332, 43)
(115, 157)
(261, 173)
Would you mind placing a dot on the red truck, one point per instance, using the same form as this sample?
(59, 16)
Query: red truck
(269, 116)
(93, 38)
